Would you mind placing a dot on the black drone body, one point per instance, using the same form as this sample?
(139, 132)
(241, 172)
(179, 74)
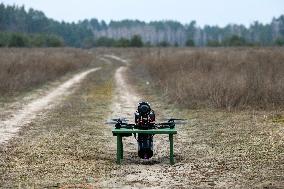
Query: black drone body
(144, 119)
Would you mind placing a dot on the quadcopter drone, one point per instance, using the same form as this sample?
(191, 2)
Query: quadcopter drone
(144, 120)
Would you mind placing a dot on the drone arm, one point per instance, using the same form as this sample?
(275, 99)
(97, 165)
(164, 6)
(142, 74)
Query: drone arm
(126, 126)
(170, 125)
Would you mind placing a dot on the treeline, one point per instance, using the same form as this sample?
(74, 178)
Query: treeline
(170, 33)
(29, 40)
(237, 41)
(16, 19)
(135, 41)
(92, 33)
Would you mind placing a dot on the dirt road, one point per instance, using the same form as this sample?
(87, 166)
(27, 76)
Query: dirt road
(17, 119)
(135, 172)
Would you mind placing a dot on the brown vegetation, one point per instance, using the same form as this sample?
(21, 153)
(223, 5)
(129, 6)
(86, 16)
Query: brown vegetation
(217, 77)
(22, 69)
(65, 148)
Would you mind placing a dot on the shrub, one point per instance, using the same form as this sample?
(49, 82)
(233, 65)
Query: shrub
(18, 40)
(136, 41)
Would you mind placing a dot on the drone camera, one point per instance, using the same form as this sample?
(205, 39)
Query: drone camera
(144, 108)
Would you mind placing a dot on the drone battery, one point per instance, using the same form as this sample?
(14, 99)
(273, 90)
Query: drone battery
(145, 146)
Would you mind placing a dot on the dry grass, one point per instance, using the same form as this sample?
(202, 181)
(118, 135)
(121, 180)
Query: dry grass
(222, 149)
(67, 147)
(70, 147)
(216, 77)
(23, 69)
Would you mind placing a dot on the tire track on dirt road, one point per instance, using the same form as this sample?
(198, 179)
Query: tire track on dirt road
(134, 172)
(9, 127)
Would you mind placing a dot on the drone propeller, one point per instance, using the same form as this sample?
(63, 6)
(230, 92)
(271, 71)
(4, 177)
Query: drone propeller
(170, 123)
(178, 119)
(175, 120)
(119, 119)
(115, 122)
(165, 125)
(122, 121)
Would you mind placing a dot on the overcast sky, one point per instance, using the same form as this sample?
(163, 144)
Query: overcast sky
(211, 12)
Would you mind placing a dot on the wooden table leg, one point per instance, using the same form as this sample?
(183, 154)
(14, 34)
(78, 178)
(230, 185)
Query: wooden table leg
(118, 148)
(172, 161)
(121, 148)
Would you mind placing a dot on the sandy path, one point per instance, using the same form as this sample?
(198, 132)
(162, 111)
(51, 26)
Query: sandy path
(125, 100)
(117, 58)
(134, 172)
(10, 126)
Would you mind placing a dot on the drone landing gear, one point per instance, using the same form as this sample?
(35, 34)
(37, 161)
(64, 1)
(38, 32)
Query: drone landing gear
(145, 146)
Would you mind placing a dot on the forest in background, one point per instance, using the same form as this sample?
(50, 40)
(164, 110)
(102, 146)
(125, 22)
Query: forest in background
(32, 28)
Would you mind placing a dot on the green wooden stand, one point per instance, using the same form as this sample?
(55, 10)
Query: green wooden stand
(128, 132)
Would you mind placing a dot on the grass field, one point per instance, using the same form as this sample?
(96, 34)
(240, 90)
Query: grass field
(221, 149)
(69, 146)
(240, 148)
(216, 77)
(21, 69)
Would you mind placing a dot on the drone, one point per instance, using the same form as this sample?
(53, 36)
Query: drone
(145, 119)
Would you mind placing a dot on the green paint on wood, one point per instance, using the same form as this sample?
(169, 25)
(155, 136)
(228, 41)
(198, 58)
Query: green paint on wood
(125, 132)
(150, 131)
(171, 149)
(118, 149)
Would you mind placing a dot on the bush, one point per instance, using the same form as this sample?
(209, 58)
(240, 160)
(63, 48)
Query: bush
(189, 43)
(8, 39)
(54, 41)
(18, 40)
(122, 42)
(235, 41)
(4, 39)
(105, 42)
(38, 41)
(279, 42)
(136, 41)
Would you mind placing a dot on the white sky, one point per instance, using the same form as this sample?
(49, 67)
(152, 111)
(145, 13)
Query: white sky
(211, 12)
